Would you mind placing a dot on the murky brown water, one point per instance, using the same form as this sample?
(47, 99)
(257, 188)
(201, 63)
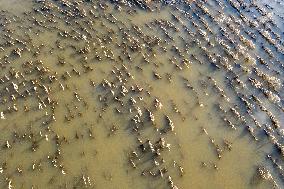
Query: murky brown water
(97, 94)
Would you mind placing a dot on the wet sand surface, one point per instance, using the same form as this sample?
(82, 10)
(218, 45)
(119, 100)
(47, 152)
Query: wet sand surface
(146, 95)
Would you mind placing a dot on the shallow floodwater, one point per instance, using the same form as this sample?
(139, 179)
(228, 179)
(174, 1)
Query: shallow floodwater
(97, 94)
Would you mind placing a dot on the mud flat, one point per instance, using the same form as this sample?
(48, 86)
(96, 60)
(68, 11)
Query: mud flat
(141, 94)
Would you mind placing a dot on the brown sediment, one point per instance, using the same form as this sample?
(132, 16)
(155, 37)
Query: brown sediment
(139, 94)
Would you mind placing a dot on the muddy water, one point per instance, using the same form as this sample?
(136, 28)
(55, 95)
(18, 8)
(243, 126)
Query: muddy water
(96, 94)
